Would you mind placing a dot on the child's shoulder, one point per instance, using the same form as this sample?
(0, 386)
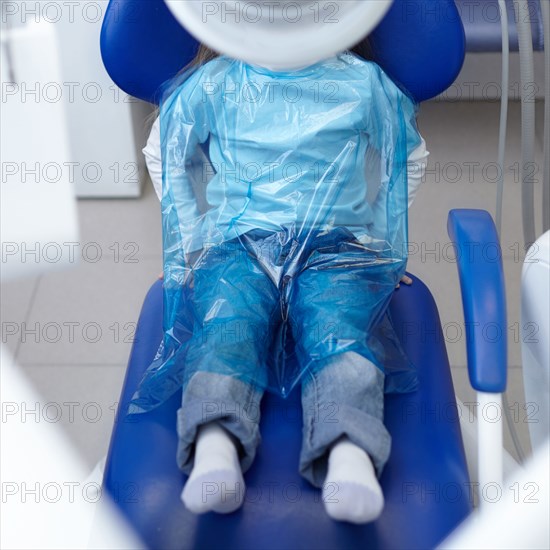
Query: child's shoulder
(195, 77)
(372, 74)
(216, 68)
(354, 63)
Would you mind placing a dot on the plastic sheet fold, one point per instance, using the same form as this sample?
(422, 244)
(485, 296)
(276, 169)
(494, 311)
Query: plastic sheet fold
(284, 211)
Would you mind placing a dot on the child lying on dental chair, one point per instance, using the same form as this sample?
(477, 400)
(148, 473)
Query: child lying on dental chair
(272, 231)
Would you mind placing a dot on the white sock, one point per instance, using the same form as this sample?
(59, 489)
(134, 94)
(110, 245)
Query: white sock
(351, 491)
(216, 482)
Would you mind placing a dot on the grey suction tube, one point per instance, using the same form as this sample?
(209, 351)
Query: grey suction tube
(545, 9)
(504, 23)
(500, 184)
(528, 167)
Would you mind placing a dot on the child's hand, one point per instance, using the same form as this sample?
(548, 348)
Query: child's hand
(161, 275)
(405, 280)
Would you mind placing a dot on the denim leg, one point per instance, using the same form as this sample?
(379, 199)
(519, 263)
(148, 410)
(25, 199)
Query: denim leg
(235, 305)
(335, 302)
(234, 404)
(343, 398)
(338, 299)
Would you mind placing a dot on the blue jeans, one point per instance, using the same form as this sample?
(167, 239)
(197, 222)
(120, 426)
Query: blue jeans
(330, 291)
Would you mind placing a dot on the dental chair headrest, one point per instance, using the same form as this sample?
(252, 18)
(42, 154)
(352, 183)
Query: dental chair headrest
(419, 43)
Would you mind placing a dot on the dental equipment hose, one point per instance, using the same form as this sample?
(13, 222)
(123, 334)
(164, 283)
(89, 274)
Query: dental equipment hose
(5, 39)
(503, 109)
(527, 72)
(545, 9)
(500, 183)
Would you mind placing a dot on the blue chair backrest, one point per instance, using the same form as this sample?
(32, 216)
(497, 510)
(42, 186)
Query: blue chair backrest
(420, 44)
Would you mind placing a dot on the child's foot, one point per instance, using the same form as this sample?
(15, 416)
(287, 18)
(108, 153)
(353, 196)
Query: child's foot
(351, 491)
(216, 482)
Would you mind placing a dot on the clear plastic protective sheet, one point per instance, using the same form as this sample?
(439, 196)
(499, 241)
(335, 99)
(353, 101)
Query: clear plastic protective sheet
(284, 212)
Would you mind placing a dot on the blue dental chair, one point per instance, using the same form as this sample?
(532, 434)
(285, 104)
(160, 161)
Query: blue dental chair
(425, 482)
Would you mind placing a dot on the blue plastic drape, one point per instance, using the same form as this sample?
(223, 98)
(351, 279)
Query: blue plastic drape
(284, 222)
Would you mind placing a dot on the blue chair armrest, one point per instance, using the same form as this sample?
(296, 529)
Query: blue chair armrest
(479, 262)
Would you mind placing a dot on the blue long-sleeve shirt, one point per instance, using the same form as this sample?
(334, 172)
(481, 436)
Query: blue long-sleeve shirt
(284, 148)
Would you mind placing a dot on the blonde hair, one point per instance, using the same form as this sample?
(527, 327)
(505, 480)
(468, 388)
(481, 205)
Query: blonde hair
(204, 55)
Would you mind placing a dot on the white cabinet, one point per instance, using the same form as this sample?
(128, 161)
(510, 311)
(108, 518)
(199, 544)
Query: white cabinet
(105, 126)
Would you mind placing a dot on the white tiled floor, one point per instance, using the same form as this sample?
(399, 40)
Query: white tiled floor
(74, 327)
(85, 316)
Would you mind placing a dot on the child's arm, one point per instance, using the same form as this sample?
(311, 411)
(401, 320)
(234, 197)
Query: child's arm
(389, 108)
(416, 169)
(153, 161)
(170, 153)
(153, 158)
(388, 98)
